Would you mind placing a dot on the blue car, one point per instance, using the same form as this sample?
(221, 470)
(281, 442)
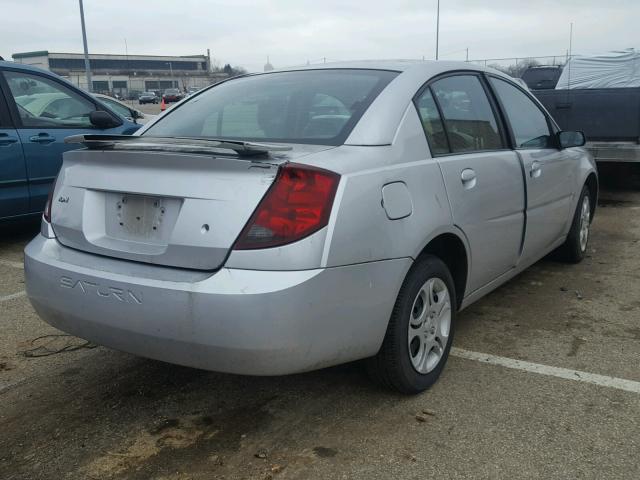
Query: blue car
(38, 109)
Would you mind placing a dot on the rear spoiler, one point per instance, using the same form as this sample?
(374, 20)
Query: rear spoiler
(174, 144)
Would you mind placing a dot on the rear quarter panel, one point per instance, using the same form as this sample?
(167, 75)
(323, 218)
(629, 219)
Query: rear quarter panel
(359, 229)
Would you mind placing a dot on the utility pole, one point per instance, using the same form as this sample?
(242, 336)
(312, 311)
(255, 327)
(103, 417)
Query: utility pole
(171, 70)
(87, 67)
(569, 54)
(437, 29)
(126, 53)
(467, 55)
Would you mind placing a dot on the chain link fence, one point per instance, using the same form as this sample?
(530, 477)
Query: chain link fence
(515, 66)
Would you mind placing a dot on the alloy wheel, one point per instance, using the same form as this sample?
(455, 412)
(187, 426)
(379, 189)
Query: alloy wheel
(585, 221)
(429, 325)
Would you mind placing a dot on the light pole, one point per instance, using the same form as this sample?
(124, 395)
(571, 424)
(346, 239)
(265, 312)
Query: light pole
(171, 69)
(437, 28)
(87, 67)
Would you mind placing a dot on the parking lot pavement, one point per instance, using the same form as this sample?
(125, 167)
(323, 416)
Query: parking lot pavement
(151, 108)
(97, 413)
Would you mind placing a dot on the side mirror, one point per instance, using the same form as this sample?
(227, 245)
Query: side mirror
(102, 119)
(136, 114)
(571, 139)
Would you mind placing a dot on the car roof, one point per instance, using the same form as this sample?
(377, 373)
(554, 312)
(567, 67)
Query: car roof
(380, 121)
(22, 66)
(428, 67)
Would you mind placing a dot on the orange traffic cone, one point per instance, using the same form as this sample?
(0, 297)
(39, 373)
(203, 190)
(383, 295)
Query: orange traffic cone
(163, 106)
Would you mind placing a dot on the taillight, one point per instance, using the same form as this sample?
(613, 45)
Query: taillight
(47, 208)
(295, 206)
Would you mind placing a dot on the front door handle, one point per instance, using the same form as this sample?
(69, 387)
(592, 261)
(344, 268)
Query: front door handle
(468, 178)
(6, 140)
(42, 138)
(536, 169)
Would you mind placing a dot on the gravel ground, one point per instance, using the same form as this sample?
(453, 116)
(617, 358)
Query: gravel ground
(95, 413)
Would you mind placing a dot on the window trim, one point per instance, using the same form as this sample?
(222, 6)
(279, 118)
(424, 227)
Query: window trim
(5, 117)
(551, 125)
(446, 134)
(15, 114)
(497, 113)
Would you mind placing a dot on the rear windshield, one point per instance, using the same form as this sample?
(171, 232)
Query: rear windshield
(541, 78)
(311, 106)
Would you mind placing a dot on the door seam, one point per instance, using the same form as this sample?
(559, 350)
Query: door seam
(526, 205)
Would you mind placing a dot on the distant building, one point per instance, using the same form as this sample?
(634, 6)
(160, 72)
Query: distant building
(127, 75)
(267, 66)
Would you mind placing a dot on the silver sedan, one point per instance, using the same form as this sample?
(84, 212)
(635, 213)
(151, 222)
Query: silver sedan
(288, 221)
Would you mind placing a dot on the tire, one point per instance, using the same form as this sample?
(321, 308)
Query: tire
(401, 364)
(574, 248)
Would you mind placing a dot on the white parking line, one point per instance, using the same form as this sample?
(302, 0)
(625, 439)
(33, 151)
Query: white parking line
(568, 374)
(9, 263)
(12, 296)
(4, 387)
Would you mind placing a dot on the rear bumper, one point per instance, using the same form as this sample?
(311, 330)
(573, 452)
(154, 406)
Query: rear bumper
(628, 152)
(236, 321)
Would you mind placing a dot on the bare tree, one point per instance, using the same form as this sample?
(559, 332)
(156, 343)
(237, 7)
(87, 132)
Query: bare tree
(516, 70)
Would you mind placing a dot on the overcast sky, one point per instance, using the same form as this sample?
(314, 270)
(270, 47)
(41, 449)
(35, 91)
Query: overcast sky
(292, 32)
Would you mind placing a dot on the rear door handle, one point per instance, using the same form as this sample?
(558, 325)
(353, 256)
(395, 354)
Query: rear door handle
(42, 138)
(536, 169)
(468, 178)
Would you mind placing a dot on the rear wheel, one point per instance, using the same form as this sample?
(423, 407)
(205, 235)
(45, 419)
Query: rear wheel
(575, 247)
(420, 331)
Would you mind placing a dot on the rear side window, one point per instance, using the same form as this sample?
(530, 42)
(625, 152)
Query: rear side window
(311, 106)
(432, 123)
(528, 123)
(468, 117)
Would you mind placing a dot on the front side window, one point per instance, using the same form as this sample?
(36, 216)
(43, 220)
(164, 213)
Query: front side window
(44, 103)
(468, 117)
(310, 106)
(529, 124)
(432, 123)
(117, 107)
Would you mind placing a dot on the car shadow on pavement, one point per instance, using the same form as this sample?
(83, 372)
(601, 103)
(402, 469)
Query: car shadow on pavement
(18, 231)
(121, 416)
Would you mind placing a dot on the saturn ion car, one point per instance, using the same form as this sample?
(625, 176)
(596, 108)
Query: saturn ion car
(287, 221)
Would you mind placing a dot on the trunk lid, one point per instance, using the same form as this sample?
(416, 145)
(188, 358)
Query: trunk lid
(167, 208)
